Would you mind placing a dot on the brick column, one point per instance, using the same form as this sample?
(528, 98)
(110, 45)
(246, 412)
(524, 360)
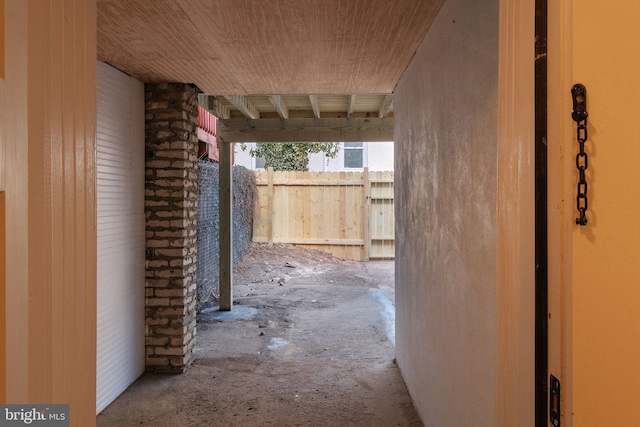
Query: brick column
(170, 206)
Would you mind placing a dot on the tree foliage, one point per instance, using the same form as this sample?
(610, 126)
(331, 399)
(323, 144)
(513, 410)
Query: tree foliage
(292, 156)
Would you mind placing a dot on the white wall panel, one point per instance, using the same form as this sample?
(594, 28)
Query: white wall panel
(121, 239)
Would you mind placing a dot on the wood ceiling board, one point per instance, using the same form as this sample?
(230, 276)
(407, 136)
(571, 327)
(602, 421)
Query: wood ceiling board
(155, 41)
(333, 103)
(242, 47)
(297, 102)
(368, 103)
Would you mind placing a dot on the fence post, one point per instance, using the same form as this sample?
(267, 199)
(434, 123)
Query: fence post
(270, 204)
(365, 212)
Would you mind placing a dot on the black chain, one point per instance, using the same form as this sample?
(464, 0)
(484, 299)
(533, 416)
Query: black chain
(582, 163)
(579, 115)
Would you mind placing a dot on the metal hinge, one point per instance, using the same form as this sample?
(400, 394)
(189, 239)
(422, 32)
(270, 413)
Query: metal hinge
(554, 401)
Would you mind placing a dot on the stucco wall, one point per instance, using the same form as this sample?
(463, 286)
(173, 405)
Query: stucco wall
(446, 116)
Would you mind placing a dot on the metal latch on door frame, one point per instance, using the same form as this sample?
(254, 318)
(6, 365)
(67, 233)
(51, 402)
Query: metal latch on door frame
(554, 401)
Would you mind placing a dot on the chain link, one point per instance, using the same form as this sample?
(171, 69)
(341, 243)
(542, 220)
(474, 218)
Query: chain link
(582, 163)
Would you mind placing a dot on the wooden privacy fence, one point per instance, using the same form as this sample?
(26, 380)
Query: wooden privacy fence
(347, 214)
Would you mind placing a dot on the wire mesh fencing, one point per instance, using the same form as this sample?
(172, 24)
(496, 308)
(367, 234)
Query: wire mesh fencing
(244, 190)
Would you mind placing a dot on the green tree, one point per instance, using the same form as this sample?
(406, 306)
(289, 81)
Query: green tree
(293, 156)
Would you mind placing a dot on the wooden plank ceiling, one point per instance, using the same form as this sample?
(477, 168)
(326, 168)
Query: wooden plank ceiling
(302, 61)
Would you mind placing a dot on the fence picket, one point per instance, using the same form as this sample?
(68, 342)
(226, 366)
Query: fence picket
(347, 214)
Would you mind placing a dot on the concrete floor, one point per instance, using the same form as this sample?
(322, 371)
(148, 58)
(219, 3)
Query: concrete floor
(309, 345)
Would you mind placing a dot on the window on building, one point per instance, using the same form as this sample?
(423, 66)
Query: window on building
(260, 162)
(353, 155)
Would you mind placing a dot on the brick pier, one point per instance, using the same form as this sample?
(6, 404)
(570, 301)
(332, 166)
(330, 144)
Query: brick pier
(170, 206)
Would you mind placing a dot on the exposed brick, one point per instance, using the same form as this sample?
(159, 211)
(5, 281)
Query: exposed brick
(157, 164)
(157, 302)
(157, 263)
(157, 341)
(171, 233)
(169, 331)
(177, 341)
(162, 134)
(157, 361)
(171, 253)
(157, 321)
(157, 105)
(170, 210)
(152, 243)
(158, 224)
(156, 203)
(170, 292)
(166, 311)
(169, 351)
(153, 282)
(171, 173)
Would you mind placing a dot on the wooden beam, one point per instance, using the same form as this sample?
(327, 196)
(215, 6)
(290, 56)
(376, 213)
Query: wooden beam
(226, 227)
(385, 107)
(281, 107)
(245, 106)
(352, 104)
(308, 182)
(303, 241)
(306, 130)
(314, 105)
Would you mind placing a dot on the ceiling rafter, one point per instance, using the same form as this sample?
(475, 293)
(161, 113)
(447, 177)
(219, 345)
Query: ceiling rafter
(314, 105)
(352, 104)
(280, 105)
(385, 107)
(243, 105)
(214, 106)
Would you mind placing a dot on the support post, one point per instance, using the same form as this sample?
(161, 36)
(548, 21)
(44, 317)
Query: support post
(226, 227)
(366, 210)
(270, 203)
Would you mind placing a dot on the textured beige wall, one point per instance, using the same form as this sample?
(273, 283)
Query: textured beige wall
(464, 223)
(446, 113)
(48, 170)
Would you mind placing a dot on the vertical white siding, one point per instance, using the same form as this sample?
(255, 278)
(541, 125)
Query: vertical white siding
(120, 168)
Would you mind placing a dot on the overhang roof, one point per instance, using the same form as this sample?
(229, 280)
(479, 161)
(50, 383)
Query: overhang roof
(255, 55)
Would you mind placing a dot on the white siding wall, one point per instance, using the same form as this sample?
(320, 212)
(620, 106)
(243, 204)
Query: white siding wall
(121, 239)
(242, 157)
(378, 156)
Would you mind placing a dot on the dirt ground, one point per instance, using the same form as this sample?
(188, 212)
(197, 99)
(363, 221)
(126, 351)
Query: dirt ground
(309, 342)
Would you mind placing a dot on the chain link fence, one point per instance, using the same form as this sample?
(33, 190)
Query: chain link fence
(244, 190)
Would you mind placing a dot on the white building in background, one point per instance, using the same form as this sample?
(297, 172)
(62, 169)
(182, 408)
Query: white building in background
(353, 156)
